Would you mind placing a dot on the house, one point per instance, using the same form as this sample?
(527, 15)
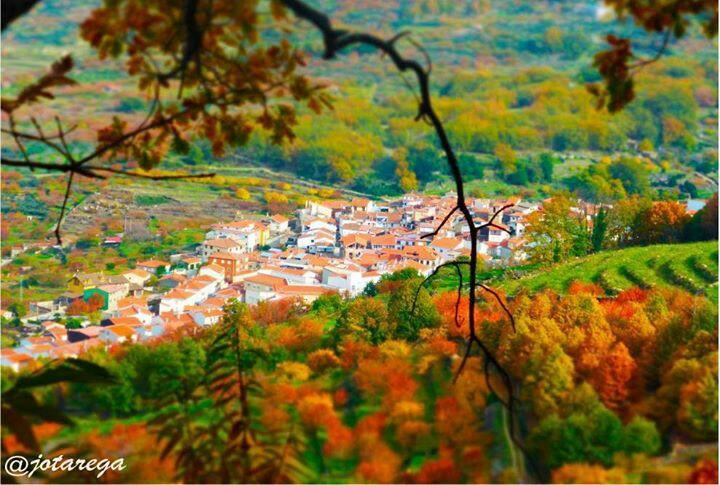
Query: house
(175, 301)
(224, 245)
(170, 281)
(206, 316)
(278, 223)
(189, 263)
(215, 271)
(82, 281)
(301, 276)
(17, 361)
(325, 208)
(250, 234)
(80, 334)
(56, 331)
(306, 293)
(344, 279)
(232, 264)
(117, 334)
(112, 241)
(110, 294)
(385, 241)
(317, 241)
(154, 266)
(447, 247)
(262, 287)
(424, 255)
(325, 224)
(137, 276)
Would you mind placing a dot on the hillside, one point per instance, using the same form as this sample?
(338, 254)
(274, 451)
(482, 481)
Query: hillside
(509, 79)
(692, 267)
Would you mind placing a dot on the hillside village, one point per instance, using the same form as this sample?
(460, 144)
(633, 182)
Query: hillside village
(330, 246)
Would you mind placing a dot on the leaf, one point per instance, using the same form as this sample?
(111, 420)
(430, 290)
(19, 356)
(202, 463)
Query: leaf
(70, 370)
(19, 427)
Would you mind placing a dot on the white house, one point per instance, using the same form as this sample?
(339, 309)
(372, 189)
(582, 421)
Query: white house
(262, 287)
(278, 223)
(223, 245)
(117, 334)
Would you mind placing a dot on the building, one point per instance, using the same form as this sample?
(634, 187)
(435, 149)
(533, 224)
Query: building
(154, 266)
(278, 223)
(110, 294)
(224, 245)
(232, 264)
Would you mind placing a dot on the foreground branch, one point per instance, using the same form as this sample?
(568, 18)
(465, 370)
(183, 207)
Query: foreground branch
(335, 40)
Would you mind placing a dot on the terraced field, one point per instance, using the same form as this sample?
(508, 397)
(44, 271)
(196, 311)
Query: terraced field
(692, 267)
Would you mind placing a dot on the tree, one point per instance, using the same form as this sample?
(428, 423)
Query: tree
(623, 219)
(618, 64)
(555, 232)
(547, 165)
(73, 323)
(663, 222)
(612, 378)
(411, 309)
(18, 309)
(641, 436)
(703, 226)
(507, 159)
(242, 194)
(366, 316)
(406, 177)
(633, 175)
(599, 230)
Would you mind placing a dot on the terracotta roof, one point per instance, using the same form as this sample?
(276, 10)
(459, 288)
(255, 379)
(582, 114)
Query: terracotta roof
(279, 218)
(420, 252)
(132, 301)
(245, 224)
(141, 273)
(125, 321)
(303, 290)
(16, 357)
(153, 263)
(266, 280)
(113, 288)
(226, 256)
(384, 240)
(177, 294)
(226, 243)
(91, 331)
(121, 330)
(447, 243)
(214, 267)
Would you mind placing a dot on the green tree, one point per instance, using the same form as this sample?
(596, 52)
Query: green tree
(641, 436)
(410, 314)
(18, 309)
(547, 165)
(599, 230)
(556, 232)
(633, 175)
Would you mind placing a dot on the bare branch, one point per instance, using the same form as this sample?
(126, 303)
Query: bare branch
(501, 302)
(63, 208)
(437, 229)
(336, 40)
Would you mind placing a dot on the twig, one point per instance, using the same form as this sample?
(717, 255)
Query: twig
(63, 208)
(336, 40)
(438, 228)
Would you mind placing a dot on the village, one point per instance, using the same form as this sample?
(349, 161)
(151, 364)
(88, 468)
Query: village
(330, 246)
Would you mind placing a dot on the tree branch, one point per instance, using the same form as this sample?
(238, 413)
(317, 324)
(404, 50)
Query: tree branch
(334, 41)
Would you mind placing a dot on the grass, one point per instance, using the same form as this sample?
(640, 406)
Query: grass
(692, 267)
